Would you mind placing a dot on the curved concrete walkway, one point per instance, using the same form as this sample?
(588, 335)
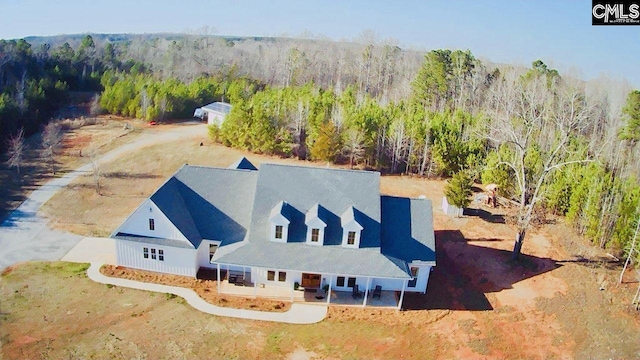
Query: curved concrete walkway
(298, 314)
(25, 235)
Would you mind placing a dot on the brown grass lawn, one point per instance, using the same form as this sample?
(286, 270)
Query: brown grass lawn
(561, 301)
(51, 310)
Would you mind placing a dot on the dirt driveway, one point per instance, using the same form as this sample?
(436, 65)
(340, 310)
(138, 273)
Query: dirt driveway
(25, 235)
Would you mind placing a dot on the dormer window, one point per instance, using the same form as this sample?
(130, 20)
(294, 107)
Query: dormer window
(315, 225)
(279, 223)
(351, 238)
(315, 233)
(351, 228)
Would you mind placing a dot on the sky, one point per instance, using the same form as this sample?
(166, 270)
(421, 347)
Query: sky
(514, 32)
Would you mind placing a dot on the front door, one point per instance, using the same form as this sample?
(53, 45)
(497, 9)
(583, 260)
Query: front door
(311, 281)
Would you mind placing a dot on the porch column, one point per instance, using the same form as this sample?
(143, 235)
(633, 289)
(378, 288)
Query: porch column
(404, 283)
(292, 292)
(329, 292)
(255, 289)
(366, 292)
(218, 278)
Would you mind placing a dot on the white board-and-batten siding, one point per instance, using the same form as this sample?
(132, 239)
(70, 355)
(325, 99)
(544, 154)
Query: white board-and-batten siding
(177, 261)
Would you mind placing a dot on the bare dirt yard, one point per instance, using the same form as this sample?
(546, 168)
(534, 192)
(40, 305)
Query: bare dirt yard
(561, 301)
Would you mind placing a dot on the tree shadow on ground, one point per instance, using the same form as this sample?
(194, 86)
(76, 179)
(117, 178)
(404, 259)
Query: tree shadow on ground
(128, 175)
(596, 262)
(484, 215)
(465, 273)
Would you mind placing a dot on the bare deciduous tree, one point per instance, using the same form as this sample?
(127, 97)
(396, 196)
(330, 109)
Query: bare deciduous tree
(51, 141)
(95, 106)
(96, 172)
(15, 152)
(534, 121)
(353, 147)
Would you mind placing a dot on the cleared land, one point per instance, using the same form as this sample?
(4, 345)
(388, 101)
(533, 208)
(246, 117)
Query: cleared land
(561, 301)
(80, 139)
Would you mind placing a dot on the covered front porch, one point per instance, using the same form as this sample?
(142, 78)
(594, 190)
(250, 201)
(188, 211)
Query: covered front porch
(240, 283)
(387, 298)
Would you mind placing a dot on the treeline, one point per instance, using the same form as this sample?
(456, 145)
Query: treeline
(36, 82)
(141, 95)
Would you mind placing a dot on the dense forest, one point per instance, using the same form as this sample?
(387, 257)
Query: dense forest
(550, 141)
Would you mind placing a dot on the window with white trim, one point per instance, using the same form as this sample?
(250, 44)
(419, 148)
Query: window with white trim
(152, 225)
(340, 281)
(279, 231)
(271, 275)
(156, 254)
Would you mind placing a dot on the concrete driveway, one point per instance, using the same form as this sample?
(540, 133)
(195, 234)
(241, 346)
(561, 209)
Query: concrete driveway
(25, 235)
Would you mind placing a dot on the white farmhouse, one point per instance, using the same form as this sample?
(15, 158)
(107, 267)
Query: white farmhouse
(283, 226)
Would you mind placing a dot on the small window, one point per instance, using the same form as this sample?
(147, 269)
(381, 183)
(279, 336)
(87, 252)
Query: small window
(145, 253)
(282, 276)
(351, 282)
(315, 234)
(351, 238)
(161, 255)
(278, 231)
(153, 254)
(271, 275)
(152, 225)
(340, 281)
(212, 250)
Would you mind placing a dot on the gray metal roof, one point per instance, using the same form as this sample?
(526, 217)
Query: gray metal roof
(332, 259)
(220, 107)
(152, 240)
(335, 191)
(303, 187)
(169, 200)
(219, 201)
(407, 229)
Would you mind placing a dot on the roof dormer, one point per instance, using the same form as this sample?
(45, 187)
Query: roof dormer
(351, 229)
(279, 223)
(315, 225)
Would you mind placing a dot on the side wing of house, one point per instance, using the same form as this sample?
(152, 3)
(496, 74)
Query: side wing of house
(408, 236)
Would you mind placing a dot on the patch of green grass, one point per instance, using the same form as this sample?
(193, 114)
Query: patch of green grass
(67, 268)
(170, 296)
(273, 342)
